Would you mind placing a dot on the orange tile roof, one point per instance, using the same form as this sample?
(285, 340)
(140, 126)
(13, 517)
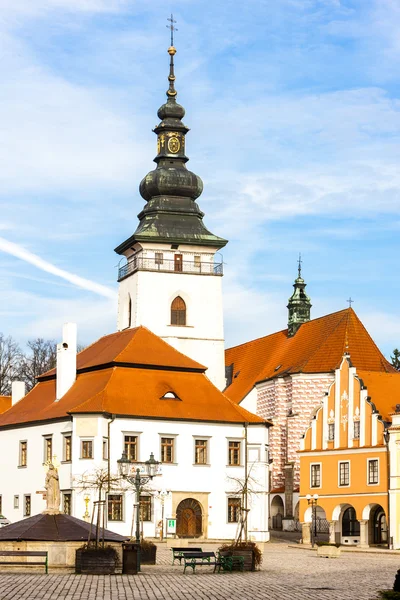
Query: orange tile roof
(5, 403)
(138, 346)
(383, 389)
(317, 347)
(134, 391)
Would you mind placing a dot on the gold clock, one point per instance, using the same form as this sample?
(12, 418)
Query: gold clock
(174, 145)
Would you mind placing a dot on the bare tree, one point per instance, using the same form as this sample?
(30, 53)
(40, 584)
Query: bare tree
(41, 357)
(245, 488)
(10, 360)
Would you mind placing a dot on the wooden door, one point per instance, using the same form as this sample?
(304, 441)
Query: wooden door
(178, 262)
(189, 522)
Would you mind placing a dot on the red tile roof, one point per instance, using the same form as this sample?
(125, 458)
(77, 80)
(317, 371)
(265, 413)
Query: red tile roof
(317, 347)
(131, 390)
(383, 389)
(5, 403)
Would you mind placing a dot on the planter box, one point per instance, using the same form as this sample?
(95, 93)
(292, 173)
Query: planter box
(249, 563)
(95, 562)
(148, 556)
(328, 551)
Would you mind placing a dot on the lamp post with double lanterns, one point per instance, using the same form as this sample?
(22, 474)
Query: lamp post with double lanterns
(143, 474)
(313, 501)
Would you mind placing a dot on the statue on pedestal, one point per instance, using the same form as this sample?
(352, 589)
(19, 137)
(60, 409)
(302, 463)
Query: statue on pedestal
(52, 486)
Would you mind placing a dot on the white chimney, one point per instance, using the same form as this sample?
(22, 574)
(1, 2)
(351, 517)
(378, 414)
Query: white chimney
(17, 391)
(66, 360)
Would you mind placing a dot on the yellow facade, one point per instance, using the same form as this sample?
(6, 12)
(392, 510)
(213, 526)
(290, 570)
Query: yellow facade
(344, 461)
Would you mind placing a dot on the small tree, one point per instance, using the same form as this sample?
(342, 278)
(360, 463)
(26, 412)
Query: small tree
(10, 360)
(396, 359)
(41, 357)
(244, 487)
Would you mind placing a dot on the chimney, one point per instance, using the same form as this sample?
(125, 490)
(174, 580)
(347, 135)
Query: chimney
(66, 360)
(17, 391)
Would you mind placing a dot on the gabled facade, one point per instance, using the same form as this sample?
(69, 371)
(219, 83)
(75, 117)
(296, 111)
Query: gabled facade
(344, 459)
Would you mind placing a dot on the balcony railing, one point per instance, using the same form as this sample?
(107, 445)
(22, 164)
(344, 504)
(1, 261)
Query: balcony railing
(139, 263)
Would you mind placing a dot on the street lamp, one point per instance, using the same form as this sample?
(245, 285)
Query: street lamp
(138, 481)
(313, 501)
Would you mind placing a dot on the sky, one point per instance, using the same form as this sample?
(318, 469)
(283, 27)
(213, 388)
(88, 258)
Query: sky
(294, 112)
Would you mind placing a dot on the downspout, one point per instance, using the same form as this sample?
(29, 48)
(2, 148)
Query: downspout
(111, 419)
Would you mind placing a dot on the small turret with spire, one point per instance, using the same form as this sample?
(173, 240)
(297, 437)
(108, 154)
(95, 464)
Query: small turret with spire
(299, 305)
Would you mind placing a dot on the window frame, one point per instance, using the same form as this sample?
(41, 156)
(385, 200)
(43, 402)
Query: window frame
(356, 423)
(158, 258)
(135, 435)
(237, 509)
(47, 438)
(64, 495)
(168, 436)
(206, 446)
(178, 316)
(146, 502)
(109, 518)
(21, 454)
(315, 487)
(343, 462)
(105, 449)
(86, 440)
(369, 461)
(65, 446)
(234, 441)
(16, 501)
(331, 429)
(27, 501)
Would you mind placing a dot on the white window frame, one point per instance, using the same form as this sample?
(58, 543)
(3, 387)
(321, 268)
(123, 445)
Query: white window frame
(368, 481)
(206, 439)
(47, 436)
(16, 502)
(331, 427)
(105, 445)
(174, 447)
(344, 485)
(20, 465)
(117, 493)
(135, 434)
(65, 435)
(228, 496)
(86, 439)
(233, 439)
(316, 464)
(359, 430)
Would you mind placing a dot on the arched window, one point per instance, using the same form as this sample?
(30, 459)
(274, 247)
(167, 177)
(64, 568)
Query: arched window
(130, 312)
(178, 311)
(350, 525)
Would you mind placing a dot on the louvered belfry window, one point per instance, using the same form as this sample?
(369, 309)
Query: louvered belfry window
(178, 312)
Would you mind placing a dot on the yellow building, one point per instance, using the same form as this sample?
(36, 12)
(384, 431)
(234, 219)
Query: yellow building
(344, 460)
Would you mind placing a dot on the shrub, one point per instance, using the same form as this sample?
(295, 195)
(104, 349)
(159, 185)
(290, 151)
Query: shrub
(389, 595)
(146, 544)
(244, 546)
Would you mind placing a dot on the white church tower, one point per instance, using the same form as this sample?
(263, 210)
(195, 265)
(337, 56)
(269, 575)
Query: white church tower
(170, 281)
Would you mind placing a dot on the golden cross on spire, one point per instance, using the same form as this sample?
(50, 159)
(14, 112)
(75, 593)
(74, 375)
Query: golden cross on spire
(172, 27)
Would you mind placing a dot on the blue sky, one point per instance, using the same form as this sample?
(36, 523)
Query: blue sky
(294, 113)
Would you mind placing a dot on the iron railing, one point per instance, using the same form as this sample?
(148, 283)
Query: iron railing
(140, 263)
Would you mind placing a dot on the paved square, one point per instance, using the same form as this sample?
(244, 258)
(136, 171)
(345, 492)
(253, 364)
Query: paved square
(287, 573)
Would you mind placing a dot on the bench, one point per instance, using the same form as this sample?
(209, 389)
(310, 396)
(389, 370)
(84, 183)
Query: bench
(19, 553)
(179, 553)
(198, 559)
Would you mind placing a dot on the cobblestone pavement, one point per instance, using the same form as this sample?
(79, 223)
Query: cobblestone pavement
(287, 573)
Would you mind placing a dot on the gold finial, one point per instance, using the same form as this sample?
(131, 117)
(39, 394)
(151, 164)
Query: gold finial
(172, 50)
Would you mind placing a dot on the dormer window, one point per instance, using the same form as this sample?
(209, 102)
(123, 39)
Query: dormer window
(178, 311)
(170, 395)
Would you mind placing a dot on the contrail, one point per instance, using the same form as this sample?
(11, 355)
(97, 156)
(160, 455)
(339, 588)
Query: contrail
(87, 284)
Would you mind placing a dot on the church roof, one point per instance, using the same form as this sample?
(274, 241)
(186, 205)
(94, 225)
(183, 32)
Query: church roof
(131, 373)
(317, 347)
(383, 389)
(54, 528)
(5, 403)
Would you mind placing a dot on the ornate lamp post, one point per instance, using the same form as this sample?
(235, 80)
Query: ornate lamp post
(138, 481)
(313, 501)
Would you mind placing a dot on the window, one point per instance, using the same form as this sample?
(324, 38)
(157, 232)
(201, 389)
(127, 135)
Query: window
(105, 449)
(315, 476)
(115, 507)
(373, 471)
(350, 525)
(159, 258)
(356, 430)
(344, 473)
(48, 449)
(197, 262)
(67, 448)
(66, 504)
(178, 262)
(130, 312)
(234, 453)
(131, 447)
(167, 450)
(87, 449)
(145, 508)
(200, 452)
(233, 510)
(178, 312)
(331, 432)
(27, 505)
(23, 456)
(16, 501)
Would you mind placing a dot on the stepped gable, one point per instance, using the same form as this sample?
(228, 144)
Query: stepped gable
(129, 373)
(54, 528)
(317, 347)
(5, 403)
(383, 389)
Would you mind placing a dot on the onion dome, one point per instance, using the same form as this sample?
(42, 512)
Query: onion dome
(299, 305)
(171, 213)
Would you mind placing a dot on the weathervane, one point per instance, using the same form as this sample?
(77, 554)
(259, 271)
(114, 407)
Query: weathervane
(299, 262)
(350, 301)
(172, 28)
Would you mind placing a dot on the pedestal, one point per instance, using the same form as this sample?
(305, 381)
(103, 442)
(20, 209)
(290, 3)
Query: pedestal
(306, 533)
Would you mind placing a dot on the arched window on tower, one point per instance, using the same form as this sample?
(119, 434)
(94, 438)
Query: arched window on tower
(178, 311)
(130, 312)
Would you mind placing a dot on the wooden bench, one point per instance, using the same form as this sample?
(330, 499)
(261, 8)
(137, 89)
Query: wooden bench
(179, 553)
(19, 553)
(199, 559)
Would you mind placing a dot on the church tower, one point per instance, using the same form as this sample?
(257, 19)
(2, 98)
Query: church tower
(170, 281)
(299, 305)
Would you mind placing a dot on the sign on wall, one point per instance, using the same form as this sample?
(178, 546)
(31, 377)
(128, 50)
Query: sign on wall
(171, 526)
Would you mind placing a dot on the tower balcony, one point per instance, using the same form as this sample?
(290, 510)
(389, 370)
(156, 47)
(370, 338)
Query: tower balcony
(179, 264)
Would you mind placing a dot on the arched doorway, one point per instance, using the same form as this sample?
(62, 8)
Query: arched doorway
(378, 525)
(189, 518)
(350, 524)
(277, 512)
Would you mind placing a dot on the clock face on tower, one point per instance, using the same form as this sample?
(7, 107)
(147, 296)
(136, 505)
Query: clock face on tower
(174, 145)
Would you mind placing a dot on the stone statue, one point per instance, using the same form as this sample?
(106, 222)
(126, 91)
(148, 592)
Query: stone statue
(52, 486)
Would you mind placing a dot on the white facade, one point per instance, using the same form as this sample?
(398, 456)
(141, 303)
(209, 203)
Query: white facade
(210, 484)
(153, 280)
